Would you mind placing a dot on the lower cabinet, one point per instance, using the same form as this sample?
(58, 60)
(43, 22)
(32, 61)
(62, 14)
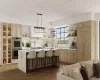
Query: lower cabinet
(67, 55)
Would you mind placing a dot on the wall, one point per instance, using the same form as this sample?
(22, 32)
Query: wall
(74, 19)
(97, 18)
(0, 47)
(38, 42)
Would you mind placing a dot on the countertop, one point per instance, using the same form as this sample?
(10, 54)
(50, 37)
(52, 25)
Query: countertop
(46, 49)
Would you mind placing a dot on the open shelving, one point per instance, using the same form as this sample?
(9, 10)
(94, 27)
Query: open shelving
(6, 43)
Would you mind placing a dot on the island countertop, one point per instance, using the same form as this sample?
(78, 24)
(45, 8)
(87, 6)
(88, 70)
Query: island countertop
(46, 49)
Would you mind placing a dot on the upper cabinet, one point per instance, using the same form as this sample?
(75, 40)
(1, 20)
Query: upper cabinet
(25, 30)
(16, 30)
(21, 30)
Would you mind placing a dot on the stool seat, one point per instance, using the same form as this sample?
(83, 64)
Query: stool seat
(56, 53)
(31, 55)
(41, 54)
(49, 53)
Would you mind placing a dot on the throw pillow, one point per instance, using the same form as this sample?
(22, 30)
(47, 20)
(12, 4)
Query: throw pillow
(96, 61)
(84, 73)
(86, 62)
(67, 70)
(96, 68)
(76, 74)
(89, 69)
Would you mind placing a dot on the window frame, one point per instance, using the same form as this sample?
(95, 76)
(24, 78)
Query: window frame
(60, 38)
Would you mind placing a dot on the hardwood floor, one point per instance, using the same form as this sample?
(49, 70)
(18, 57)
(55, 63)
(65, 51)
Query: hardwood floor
(11, 72)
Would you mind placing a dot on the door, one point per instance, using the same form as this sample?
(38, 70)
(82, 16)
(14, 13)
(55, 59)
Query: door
(87, 43)
(80, 52)
(83, 43)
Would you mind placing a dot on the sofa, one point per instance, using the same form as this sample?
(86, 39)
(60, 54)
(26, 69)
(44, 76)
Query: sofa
(71, 72)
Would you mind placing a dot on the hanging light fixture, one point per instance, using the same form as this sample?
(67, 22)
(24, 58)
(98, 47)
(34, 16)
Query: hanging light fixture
(39, 28)
(38, 14)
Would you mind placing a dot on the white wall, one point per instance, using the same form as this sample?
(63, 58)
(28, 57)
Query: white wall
(97, 18)
(0, 47)
(30, 30)
(74, 19)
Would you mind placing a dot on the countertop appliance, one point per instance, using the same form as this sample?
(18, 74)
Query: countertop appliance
(16, 45)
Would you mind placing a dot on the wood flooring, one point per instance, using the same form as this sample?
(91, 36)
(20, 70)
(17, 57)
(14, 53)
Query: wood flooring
(11, 72)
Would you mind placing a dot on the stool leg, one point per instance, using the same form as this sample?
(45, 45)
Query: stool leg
(40, 62)
(47, 61)
(58, 60)
(50, 61)
(44, 62)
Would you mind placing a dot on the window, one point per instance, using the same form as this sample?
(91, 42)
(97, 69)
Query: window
(61, 35)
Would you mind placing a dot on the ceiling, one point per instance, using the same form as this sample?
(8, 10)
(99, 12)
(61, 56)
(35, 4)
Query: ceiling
(25, 10)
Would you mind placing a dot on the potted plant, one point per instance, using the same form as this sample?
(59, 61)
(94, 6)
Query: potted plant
(75, 33)
(28, 44)
(23, 44)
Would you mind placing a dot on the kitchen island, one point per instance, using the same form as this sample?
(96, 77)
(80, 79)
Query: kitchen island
(65, 55)
(22, 57)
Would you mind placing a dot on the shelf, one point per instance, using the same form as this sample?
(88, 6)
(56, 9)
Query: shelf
(5, 31)
(4, 50)
(7, 43)
(4, 57)
(9, 36)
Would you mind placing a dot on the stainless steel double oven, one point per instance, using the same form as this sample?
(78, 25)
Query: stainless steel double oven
(16, 45)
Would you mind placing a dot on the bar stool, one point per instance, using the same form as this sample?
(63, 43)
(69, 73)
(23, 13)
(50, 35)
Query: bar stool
(31, 61)
(56, 61)
(49, 56)
(41, 59)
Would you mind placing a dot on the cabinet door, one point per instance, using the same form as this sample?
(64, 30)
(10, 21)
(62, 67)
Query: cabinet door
(26, 30)
(62, 55)
(14, 30)
(80, 38)
(18, 30)
(87, 45)
(0, 44)
(65, 55)
(84, 43)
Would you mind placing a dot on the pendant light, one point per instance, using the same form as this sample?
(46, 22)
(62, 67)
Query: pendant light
(39, 28)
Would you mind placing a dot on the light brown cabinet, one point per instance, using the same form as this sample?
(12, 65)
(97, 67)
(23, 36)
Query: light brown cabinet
(16, 30)
(86, 40)
(6, 43)
(67, 55)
